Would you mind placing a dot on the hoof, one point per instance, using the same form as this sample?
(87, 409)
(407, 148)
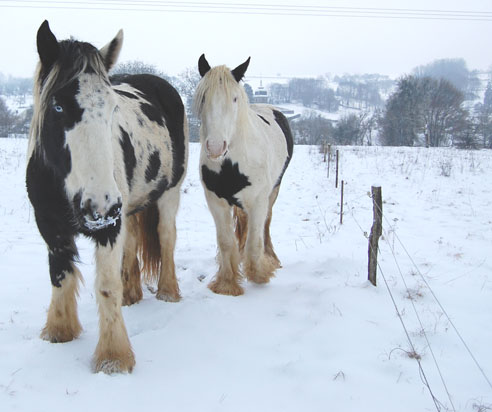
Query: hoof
(114, 364)
(260, 278)
(262, 271)
(226, 288)
(131, 296)
(60, 334)
(168, 297)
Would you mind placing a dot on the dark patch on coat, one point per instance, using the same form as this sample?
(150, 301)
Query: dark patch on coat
(153, 167)
(54, 216)
(106, 236)
(126, 94)
(289, 140)
(56, 124)
(128, 156)
(162, 186)
(152, 113)
(265, 120)
(227, 183)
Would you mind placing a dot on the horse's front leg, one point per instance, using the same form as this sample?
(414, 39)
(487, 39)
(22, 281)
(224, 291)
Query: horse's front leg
(227, 279)
(113, 351)
(258, 266)
(62, 324)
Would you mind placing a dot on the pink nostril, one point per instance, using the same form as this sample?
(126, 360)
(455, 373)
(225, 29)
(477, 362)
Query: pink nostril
(215, 150)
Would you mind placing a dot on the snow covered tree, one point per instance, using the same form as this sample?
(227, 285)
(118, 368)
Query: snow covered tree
(423, 108)
(7, 119)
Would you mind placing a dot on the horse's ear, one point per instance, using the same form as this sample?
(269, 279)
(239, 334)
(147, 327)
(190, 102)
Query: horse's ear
(239, 71)
(48, 48)
(203, 66)
(111, 51)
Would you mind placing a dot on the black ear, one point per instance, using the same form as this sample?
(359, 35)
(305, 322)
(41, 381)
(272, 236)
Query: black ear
(48, 48)
(203, 66)
(111, 51)
(239, 71)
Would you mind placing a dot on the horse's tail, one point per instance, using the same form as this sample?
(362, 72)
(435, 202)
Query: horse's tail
(241, 226)
(149, 245)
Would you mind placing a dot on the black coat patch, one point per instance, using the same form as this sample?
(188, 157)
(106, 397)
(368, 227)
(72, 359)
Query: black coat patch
(126, 94)
(265, 120)
(105, 236)
(289, 140)
(153, 167)
(227, 183)
(54, 216)
(128, 155)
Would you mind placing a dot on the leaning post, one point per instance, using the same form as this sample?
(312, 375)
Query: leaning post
(376, 231)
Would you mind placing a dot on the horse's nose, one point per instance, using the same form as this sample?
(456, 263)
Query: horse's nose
(95, 217)
(216, 148)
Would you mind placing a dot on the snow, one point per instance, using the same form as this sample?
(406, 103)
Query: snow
(319, 337)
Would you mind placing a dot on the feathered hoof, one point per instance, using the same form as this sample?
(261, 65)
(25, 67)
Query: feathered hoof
(131, 296)
(261, 272)
(222, 287)
(114, 363)
(260, 278)
(61, 333)
(168, 297)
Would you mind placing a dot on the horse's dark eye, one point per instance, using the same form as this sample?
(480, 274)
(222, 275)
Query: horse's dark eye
(58, 108)
(235, 99)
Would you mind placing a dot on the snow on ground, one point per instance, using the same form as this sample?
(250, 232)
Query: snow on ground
(319, 337)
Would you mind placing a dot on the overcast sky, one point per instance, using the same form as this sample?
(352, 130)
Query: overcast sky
(286, 45)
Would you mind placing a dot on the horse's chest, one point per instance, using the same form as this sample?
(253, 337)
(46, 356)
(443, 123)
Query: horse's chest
(226, 182)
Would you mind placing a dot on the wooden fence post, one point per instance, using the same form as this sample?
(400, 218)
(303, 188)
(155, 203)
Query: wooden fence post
(329, 158)
(376, 231)
(336, 177)
(341, 204)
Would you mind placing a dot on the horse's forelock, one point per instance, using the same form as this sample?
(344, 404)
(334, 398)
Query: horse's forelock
(75, 58)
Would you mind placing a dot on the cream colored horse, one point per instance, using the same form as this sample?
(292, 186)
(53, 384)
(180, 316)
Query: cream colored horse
(245, 150)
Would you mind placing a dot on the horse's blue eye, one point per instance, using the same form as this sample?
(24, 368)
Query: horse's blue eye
(59, 109)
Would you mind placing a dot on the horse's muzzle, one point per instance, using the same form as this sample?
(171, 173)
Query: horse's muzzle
(92, 220)
(216, 151)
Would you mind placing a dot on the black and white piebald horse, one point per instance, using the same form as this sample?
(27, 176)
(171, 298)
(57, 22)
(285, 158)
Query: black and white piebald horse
(106, 159)
(245, 150)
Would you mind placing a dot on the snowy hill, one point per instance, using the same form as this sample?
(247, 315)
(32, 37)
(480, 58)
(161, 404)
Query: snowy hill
(319, 337)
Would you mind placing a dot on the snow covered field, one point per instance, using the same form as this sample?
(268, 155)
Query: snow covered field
(319, 337)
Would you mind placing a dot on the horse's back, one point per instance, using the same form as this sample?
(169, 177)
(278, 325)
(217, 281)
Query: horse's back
(272, 115)
(277, 130)
(162, 95)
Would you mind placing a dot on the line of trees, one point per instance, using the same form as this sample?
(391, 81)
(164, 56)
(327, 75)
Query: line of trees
(432, 106)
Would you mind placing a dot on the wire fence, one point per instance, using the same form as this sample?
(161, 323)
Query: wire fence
(393, 252)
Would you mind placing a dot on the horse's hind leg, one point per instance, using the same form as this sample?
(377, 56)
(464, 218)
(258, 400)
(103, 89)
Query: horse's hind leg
(113, 352)
(240, 226)
(167, 287)
(227, 279)
(130, 273)
(267, 239)
(63, 324)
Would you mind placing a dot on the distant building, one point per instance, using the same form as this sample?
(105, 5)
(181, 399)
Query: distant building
(261, 95)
